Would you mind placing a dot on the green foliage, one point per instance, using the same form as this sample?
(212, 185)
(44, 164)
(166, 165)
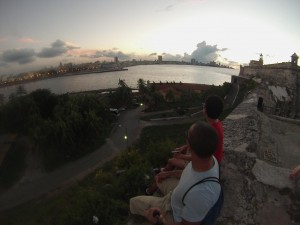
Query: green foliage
(221, 91)
(141, 84)
(170, 97)
(159, 152)
(79, 123)
(122, 96)
(244, 89)
(45, 101)
(20, 90)
(2, 98)
(157, 134)
(65, 127)
(18, 115)
(135, 167)
(12, 166)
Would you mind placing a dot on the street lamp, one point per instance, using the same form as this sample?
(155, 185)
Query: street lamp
(125, 135)
(142, 104)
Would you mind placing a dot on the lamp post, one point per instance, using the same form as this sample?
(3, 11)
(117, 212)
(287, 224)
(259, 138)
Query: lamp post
(143, 104)
(125, 135)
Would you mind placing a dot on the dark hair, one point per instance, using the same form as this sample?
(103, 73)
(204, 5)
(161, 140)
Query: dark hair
(203, 139)
(213, 106)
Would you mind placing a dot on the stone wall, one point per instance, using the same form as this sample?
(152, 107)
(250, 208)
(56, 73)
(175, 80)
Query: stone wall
(258, 153)
(280, 75)
(275, 76)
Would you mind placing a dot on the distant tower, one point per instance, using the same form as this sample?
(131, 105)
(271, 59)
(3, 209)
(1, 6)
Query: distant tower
(294, 60)
(159, 59)
(116, 59)
(261, 59)
(193, 61)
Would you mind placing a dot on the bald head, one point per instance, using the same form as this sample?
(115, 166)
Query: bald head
(203, 139)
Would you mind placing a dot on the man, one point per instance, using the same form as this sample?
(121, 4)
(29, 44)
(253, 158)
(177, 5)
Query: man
(189, 203)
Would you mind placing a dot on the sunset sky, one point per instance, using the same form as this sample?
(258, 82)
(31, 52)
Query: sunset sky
(35, 34)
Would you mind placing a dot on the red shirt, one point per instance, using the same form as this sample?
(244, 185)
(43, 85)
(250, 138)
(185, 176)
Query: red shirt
(219, 152)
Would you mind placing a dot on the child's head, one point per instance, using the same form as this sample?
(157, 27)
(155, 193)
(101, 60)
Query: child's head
(213, 106)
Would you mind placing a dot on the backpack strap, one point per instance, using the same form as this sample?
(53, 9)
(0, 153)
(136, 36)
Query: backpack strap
(211, 179)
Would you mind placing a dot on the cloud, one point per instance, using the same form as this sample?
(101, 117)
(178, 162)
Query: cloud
(57, 48)
(167, 8)
(187, 57)
(21, 56)
(26, 40)
(206, 53)
(170, 57)
(191, 1)
(153, 54)
(3, 39)
(109, 54)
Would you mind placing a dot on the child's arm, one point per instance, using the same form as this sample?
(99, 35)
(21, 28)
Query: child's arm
(182, 149)
(295, 172)
(164, 175)
(182, 156)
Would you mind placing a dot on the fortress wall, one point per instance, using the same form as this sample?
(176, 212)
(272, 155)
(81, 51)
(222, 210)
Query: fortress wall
(284, 77)
(275, 75)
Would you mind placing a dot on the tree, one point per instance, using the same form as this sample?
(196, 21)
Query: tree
(45, 101)
(141, 84)
(2, 98)
(20, 90)
(158, 99)
(170, 97)
(122, 96)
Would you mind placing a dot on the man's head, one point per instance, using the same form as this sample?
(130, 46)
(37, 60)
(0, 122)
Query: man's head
(213, 106)
(202, 139)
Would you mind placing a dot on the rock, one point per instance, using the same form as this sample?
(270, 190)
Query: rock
(272, 175)
(270, 214)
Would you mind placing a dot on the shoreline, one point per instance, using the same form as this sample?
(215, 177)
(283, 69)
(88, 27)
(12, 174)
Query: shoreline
(64, 75)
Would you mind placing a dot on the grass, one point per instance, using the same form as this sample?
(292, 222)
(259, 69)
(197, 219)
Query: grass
(171, 113)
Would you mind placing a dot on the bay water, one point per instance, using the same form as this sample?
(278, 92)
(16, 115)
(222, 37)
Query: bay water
(152, 73)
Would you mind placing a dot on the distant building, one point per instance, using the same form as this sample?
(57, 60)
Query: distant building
(294, 60)
(159, 59)
(116, 60)
(260, 62)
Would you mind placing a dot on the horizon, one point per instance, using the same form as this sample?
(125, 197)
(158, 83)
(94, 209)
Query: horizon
(36, 34)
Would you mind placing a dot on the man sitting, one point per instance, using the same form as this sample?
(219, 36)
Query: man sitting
(198, 197)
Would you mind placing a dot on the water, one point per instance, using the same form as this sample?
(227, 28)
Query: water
(156, 73)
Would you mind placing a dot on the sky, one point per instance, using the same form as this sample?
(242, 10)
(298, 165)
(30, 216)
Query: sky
(35, 34)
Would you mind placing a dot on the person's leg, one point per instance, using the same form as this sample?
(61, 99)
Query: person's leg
(151, 188)
(164, 186)
(168, 185)
(139, 204)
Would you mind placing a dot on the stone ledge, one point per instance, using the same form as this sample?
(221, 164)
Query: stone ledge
(272, 175)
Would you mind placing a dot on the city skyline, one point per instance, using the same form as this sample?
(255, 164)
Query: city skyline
(36, 34)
